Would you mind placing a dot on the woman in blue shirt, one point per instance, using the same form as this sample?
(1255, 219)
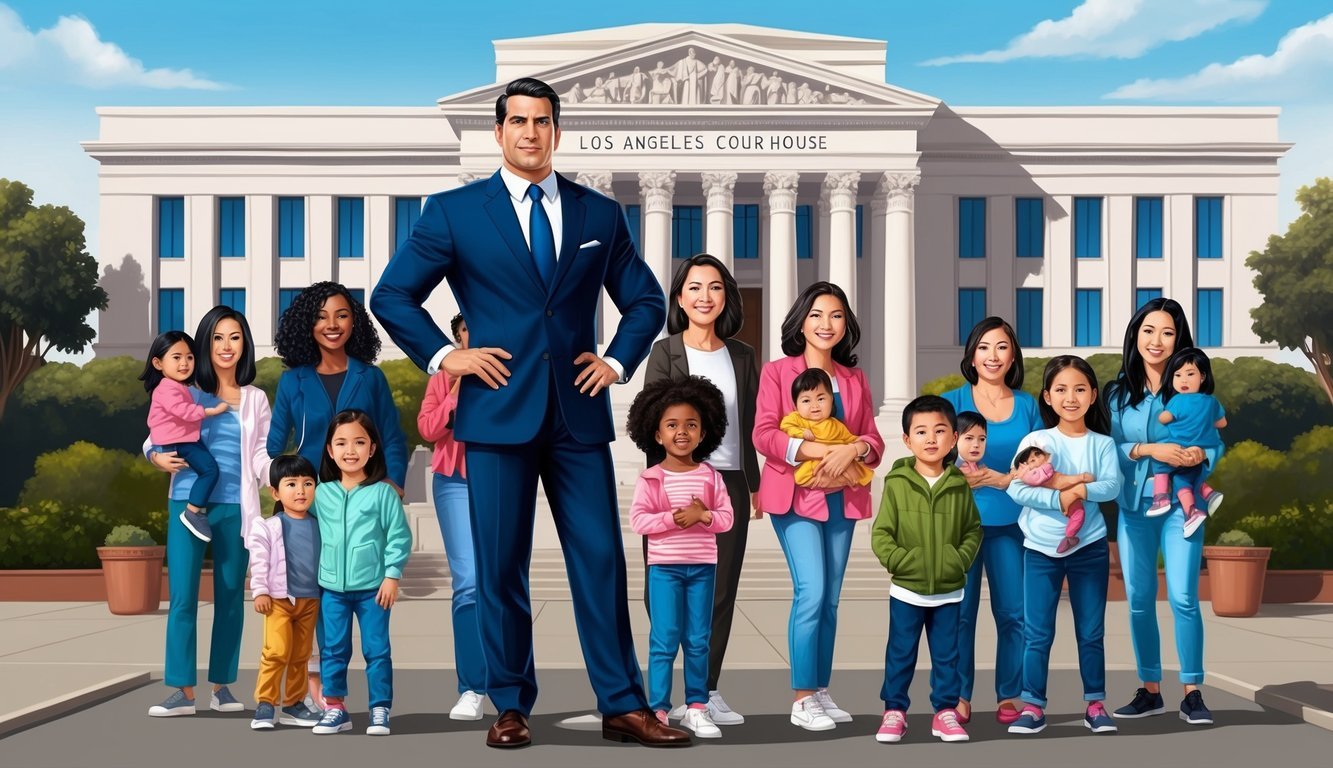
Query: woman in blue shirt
(1134, 400)
(993, 366)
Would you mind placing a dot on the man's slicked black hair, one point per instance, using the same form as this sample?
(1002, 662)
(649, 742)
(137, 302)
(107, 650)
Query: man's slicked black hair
(527, 86)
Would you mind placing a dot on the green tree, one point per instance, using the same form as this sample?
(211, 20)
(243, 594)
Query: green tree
(48, 285)
(1295, 277)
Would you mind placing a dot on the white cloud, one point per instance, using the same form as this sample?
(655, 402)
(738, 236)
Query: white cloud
(72, 51)
(1116, 29)
(1302, 66)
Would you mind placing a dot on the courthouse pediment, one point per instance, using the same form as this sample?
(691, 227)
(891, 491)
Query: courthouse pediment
(700, 69)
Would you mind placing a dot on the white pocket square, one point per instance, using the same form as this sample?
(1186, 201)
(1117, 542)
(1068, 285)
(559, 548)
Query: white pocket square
(590, 244)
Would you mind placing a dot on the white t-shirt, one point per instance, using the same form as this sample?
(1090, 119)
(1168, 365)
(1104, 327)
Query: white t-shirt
(716, 367)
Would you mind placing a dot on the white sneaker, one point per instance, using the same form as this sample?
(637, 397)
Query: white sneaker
(697, 720)
(467, 708)
(720, 712)
(808, 713)
(831, 709)
(677, 712)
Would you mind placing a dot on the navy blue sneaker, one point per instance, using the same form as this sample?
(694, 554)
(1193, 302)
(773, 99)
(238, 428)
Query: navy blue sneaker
(335, 720)
(1097, 720)
(1145, 704)
(264, 717)
(300, 715)
(1030, 720)
(175, 706)
(197, 524)
(1193, 711)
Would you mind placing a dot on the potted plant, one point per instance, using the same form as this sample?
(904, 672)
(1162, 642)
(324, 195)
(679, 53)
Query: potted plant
(1236, 574)
(132, 568)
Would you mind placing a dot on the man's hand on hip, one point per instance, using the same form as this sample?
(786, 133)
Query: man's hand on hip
(598, 375)
(482, 362)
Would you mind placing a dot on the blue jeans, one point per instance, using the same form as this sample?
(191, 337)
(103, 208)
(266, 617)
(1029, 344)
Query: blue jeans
(905, 624)
(1002, 554)
(203, 464)
(185, 557)
(336, 610)
(1140, 539)
(817, 558)
(456, 528)
(1087, 569)
(681, 597)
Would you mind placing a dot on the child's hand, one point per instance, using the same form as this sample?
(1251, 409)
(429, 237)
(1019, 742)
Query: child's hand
(388, 594)
(215, 410)
(263, 604)
(706, 518)
(756, 513)
(1086, 477)
(806, 434)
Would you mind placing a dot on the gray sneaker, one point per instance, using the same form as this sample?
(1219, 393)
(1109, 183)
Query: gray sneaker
(175, 705)
(197, 524)
(223, 701)
(299, 715)
(264, 717)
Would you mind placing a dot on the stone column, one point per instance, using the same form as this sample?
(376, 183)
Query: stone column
(840, 191)
(608, 317)
(656, 189)
(780, 261)
(719, 187)
(894, 202)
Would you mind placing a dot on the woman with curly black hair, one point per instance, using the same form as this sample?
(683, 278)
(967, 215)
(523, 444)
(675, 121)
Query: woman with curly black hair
(680, 505)
(329, 346)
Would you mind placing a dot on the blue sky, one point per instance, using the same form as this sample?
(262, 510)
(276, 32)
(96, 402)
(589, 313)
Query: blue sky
(59, 59)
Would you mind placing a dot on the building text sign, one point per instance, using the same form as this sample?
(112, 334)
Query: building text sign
(621, 142)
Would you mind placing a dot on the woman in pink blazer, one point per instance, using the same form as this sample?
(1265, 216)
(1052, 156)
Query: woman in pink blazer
(820, 331)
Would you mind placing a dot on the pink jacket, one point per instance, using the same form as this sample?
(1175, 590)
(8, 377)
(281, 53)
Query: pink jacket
(268, 560)
(650, 514)
(436, 409)
(778, 492)
(173, 416)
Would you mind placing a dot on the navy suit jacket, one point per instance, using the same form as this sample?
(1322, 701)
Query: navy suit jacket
(470, 237)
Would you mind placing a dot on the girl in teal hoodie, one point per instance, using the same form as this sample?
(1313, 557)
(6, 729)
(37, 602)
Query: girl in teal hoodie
(364, 542)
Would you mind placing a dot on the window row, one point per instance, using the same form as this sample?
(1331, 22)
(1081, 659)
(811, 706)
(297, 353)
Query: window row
(1087, 315)
(1030, 228)
(687, 230)
(171, 304)
(349, 224)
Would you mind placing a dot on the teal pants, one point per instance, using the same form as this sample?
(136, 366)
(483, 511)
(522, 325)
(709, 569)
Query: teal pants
(185, 558)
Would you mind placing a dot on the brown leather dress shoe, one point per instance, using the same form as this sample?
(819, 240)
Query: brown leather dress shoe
(509, 731)
(644, 727)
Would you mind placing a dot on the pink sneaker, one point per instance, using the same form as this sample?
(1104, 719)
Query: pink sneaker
(662, 716)
(1066, 544)
(946, 726)
(1193, 520)
(892, 728)
(1161, 504)
(1006, 714)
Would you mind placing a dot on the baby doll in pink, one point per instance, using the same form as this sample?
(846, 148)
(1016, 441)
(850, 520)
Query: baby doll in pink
(1033, 466)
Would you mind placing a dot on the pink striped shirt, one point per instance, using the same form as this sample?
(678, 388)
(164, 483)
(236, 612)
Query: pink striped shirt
(656, 497)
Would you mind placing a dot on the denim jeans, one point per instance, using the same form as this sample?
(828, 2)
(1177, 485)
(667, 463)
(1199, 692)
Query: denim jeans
(456, 528)
(336, 610)
(682, 617)
(1087, 570)
(185, 557)
(905, 624)
(1001, 554)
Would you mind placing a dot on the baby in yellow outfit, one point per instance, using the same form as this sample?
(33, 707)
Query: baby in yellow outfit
(813, 419)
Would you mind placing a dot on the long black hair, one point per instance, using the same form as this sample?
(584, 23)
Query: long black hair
(1182, 357)
(205, 378)
(1096, 418)
(151, 376)
(732, 317)
(793, 338)
(295, 339)
(376, 469)
(1013, 378)
(1129, 387)
(645, 414)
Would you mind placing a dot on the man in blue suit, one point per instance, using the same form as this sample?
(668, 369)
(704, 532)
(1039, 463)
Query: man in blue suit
(527, 254)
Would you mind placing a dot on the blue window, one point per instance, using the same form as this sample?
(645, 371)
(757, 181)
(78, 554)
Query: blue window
(971, 227)
(687, 235)
(233, 297)
(1029, 318)
(860, 222)
(1088, 317)
(359, 294)
(1030, 228)
(1144, 295)
(285, 298)
(231, 227)
(170, 309)
(634, 214)
(406, 211)
(1208, 317)
(1208, 227)
(171, 227)
(291, 227)
(1148, 227)
(971, 310)
(1087, 227)
(351, 227)
(804, 233)
(745, 231)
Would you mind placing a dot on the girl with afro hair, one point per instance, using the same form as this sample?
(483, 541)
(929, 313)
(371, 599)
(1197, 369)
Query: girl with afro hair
(680, 505)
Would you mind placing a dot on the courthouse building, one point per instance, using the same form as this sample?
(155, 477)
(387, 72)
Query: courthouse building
(784, 153)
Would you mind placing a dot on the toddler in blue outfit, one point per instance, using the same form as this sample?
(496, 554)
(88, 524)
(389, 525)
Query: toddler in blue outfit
(1192, 417)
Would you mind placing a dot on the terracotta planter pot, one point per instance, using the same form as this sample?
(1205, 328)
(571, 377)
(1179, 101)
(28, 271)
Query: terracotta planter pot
(133, 578)
(1237, 578)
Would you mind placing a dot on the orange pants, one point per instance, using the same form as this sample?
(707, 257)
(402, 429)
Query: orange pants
(288, 633)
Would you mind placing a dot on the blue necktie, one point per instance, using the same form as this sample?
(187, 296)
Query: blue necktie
(540, 236)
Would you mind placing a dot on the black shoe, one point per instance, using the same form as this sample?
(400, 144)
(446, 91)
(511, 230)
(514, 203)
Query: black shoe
(1145, 704)
(1193, 711)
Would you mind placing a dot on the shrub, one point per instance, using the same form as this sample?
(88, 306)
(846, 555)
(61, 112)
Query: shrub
(1235, 538)
(46, 535)
(1259, 481)
(407, 382)
(123, 485)
(129, 536)
(1270, 403)
(1301, 536)
(943, 384)
(267, 373)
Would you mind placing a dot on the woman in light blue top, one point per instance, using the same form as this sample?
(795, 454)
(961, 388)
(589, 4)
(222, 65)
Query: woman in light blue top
(993, 366)
(1134, 400)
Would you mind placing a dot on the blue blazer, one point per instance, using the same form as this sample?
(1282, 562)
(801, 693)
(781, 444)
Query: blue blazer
(470, 237)
(303, 409)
